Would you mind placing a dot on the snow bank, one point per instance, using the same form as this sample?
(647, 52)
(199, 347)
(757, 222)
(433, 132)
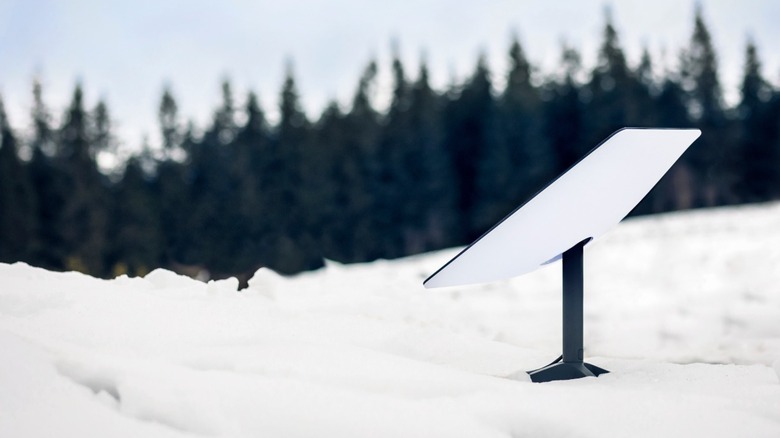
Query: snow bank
(683, 309)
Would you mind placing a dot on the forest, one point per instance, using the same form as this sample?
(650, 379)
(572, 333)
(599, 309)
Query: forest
(435, 169)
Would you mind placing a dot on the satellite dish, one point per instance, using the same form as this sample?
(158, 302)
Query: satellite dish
(583, 203)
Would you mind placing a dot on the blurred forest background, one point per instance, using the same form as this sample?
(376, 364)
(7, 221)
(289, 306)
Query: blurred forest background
(434, 170)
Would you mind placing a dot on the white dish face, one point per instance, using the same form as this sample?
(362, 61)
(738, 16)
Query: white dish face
(584, 202)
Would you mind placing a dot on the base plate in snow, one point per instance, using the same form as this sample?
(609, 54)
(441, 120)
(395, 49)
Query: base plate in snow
(565, 371)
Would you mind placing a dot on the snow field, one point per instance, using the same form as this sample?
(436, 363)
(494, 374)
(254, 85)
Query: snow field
(683, 309)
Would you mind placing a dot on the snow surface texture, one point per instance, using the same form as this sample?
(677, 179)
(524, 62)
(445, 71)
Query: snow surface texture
(683, 309)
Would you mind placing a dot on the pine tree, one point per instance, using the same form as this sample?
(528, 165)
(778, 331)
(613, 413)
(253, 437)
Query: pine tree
(470, 129)
(613, 99)
(773, 116)
(339, 175)
(172, 186)
(705, 103)
(43, 134)
(84, 215)
(395, 184)
(214, 208)
(563, 113)
(700, 74)
(18, 222)
(135, 229)
(174, 194)
(354, 220)
(167, 116)
(433, 221)
(294, 247)
(520, 161)
(247, 170)
(675, 191)
(645, 90)
(644, 71)
(48, 182)
(225, 126)
(759, 176)
(104, 144)
(643, 93)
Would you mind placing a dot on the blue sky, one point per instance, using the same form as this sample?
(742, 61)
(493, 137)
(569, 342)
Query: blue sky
(125, 51)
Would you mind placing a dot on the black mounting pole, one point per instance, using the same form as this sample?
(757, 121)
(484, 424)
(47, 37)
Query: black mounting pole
(572, 303)
(572, 365)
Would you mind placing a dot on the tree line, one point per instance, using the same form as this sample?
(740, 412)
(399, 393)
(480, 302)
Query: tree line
(434, 170)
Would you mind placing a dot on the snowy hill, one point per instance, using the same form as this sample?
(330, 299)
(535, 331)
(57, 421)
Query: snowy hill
(683, 309)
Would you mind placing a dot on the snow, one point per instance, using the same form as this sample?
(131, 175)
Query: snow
(683, 309)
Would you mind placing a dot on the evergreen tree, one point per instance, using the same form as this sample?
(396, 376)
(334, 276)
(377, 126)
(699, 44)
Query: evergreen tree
(675, 191)
(773, 137)
(48, 182)
(705, 103)
(433, 221)
(103, 142)
(17, 199)
(757, 167)
(167, 116)
(294, 247)
(563, 113)
(614, 101)
(247, 170)
(135, 229)
(353, 219)
(175, 175)
(395, 184)
(172, 187)
(214, 206)
(252, 139)
(347, 220)
(644, 95)
(645, 91)
(700, 74)
(84, 215)
(520, 161)
(225, 126)
(43, 134)
(644, 71)
(339, 175)
(470, 129)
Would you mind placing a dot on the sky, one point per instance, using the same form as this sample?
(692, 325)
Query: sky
(125, 52)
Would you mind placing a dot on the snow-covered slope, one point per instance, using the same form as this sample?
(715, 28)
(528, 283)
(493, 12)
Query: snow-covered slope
(684, 309)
